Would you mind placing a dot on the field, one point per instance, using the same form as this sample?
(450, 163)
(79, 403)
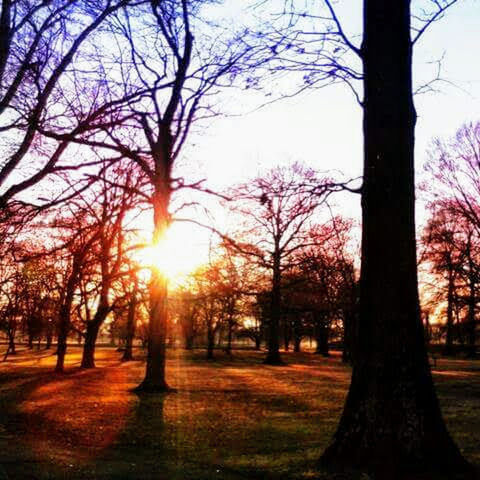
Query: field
(229, 419)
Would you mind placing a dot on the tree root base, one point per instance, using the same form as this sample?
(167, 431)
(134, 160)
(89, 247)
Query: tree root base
(147, 387)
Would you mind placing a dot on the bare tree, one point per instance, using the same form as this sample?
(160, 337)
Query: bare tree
(274, 212)
(108, 217)
(39, 43)
(180, 75)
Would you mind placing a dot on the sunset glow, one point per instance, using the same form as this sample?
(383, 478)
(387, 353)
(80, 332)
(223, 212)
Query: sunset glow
(177, 255)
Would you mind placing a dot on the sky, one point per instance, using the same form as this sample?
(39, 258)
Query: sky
(323, 128)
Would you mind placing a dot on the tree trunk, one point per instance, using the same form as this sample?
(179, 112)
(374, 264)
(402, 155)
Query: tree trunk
(391, 424)
(64, 313)
(348, 336)
(188, 342)
(296, 344)
(154, 381)
(228, 350)
(273, 355)
(210, 343)
(286, 335)
(49, 340)
(448, 350)
(88, 355)
(61, 346)
(11, 343)
(258, 342)
(321, 334)
(128, 352)
(471, 324)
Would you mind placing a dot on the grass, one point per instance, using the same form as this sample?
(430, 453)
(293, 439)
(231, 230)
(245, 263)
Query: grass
(229, 419)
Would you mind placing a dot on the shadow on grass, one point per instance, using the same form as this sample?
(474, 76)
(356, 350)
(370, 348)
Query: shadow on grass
(230, 419)
(53, 423)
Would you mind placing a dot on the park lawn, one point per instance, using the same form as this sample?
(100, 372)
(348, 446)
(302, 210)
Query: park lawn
(229, 419)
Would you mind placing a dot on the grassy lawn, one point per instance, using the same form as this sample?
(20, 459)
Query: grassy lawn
(229, 419)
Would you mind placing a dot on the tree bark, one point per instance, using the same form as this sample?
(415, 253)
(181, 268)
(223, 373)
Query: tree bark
(228, 350)
(210, 344)
(273, 355)
(188, 342)
(348, 337)
(49, 338)
(321, 334)
(88, 354)
(297, 334)
(154, 381)
(131, 324)
(64, 313)
(448, 350)
(286, 335)
(391, 424)
(63, 328)
(11, 344)
(471, 323)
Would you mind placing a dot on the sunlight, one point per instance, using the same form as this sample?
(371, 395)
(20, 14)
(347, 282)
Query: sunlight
(175, 256)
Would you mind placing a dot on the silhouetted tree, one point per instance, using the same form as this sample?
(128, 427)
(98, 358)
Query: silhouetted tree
(275, 211)
(391, 422)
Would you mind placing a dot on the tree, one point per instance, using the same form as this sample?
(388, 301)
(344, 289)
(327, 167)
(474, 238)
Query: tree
(391, 422)
(186, 305)
(211, 301)
(275, 211)
(108, 218)
(441, 240)
(78, 251)
(39, 43)
(318, 290)
(453, 164)
(131, 317)
(180, 71)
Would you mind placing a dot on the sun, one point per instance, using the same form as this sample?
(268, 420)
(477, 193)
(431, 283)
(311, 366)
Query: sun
(176, 255)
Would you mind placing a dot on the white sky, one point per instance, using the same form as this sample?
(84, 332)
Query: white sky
(323, 127)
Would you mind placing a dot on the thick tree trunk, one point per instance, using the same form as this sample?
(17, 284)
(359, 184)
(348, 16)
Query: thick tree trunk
(154, 381)
(88, 355)
(391, 424)
(273, 355)
(258, 343)
(93, 327)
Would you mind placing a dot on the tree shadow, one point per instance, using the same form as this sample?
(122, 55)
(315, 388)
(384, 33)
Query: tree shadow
(53, 423)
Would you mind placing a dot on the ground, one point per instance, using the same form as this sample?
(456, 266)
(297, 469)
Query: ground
(229, 419)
